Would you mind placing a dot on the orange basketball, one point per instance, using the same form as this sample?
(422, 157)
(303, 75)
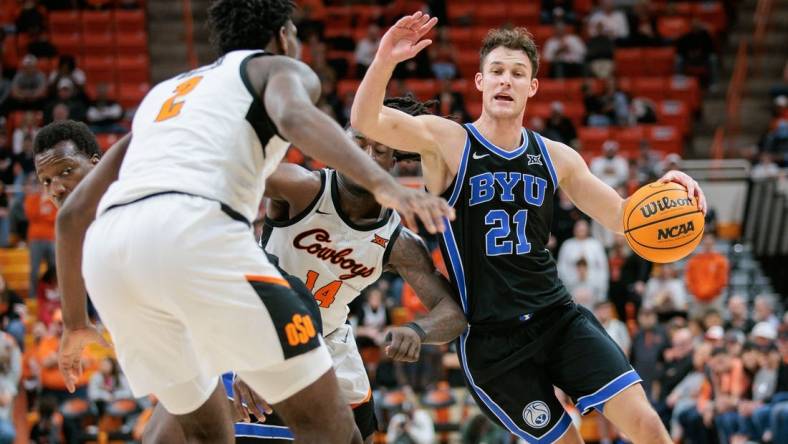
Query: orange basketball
(661, 223)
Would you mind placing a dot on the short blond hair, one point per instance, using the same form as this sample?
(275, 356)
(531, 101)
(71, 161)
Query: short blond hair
(511, 38)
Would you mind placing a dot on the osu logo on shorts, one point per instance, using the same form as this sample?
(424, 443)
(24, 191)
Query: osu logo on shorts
(300, 330)
(536, 414)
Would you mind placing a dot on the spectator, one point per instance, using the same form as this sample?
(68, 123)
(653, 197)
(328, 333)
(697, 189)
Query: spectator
(643, 26)
(107, 385)
(665, 293)
(647, 346)
(13, 312)
(5, 92)
(67, 68)
(26, 159)
(39, 45)
(9, 380)
(411, 425)
(695, 51)
(559, 127)
(599, 53)
(451, 103)
(614, 328)
(48, 296)
(707, 275)
(765, 168)
(763, 310)
(443, 56)
(30, 17)
(372, 319)
(28, 128)
(581, 245)
(642, 111)
(674, 364)
(366, 49)
(611, 107)
(647, 162)
(41, 213)
(725, 387)
(682, 400)
(738, 315)
(558, 10)
(565, 52)
(5, 210)
(67, 95)
(614, 22)
(49, 427)
(628, 276)
(29, 88)
(328, 99)
(104, 114)
(590, 287)
(565, 216)
(776, 141)
(60, 112)
(672, 162)
(7, 160)
(611, 168)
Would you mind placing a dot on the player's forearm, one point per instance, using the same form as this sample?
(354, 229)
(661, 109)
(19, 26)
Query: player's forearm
(368, 103)
(324, 140)
(443, 323)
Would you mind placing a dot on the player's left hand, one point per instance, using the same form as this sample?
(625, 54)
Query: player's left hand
(403, 344)
(69, 358)
(693, 189)
(247, 401)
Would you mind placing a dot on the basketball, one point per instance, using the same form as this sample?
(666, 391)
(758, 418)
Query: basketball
(661, 223)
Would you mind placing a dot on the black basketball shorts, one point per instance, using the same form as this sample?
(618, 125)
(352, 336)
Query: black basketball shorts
(511, 372)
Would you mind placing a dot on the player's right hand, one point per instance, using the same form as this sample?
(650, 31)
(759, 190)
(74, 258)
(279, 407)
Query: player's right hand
(69, 357)
(403, 40)
(248, 401)
(409, 203)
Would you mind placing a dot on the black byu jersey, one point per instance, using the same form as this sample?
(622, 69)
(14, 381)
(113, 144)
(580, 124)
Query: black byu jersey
(496, 250)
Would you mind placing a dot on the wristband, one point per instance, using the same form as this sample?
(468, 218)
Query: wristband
(417, 328)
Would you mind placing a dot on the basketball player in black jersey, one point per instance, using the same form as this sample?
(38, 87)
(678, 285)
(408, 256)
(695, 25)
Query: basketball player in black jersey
(525, 334)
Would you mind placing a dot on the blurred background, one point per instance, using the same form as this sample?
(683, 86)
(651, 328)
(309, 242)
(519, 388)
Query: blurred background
(637, 87)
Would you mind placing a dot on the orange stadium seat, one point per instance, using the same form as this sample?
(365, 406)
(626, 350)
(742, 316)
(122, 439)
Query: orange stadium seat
(629, 138)
(474, 107)
(712, 14)
(673, 27)
(666, 139)
(457, 11)
(463, 38)
(99, 68)
(97, 22)
(655, 88)
(686, 89)
(10, 54)
(681, 8)
(592, 138)
(62, 22)
(468, 63)
(340, 16)
(479, 33)
(99, 43)
(22, 40)
(492, 14)
(70, 43)
(129, 96)
(422, 89)
(345, 86)
(131, 43)
(129, 21)
(583, 7)
(524, 13)
(541, 33)
(629, 62)
(674, 113)
(106, 140)
(660, 61)
(133, 69)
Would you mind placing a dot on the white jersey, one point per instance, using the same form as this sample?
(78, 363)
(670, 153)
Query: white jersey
(206, 133)
(335, 257)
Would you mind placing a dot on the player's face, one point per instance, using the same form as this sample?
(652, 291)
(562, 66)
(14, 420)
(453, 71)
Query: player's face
(506, 83)
(61, 168)
(381, 154)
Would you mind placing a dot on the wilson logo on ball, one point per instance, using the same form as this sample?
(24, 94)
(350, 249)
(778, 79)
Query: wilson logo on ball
(678, 230)
(663, 204)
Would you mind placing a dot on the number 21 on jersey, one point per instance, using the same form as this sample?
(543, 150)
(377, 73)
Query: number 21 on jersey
(496, 239)
(326, 294)
(172, 107)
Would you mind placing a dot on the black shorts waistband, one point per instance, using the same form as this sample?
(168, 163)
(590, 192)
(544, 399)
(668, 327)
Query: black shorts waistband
(226, 209)
(506, 326)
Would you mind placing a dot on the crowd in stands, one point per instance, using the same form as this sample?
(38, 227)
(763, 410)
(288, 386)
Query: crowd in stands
(714, 363)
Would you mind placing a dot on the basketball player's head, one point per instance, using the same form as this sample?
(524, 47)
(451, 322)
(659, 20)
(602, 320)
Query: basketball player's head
(65, 152)
(385, 156)
(254, 24)
(508, 65)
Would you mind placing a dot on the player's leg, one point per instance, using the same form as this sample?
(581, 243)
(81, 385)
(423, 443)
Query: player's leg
(201, 420)
(162, 428)
(588, 365)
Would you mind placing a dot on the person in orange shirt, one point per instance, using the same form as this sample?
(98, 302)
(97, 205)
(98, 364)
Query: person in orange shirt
(707, 275)
(41, 214)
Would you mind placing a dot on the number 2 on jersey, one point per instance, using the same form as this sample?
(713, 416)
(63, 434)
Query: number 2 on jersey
(172, 107)
(501, 230)
(326, 294)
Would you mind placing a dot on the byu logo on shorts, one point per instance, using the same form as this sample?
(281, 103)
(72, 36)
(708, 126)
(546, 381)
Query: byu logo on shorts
(536, 414)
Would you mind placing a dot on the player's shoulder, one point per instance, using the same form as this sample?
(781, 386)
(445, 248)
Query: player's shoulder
(408, 247)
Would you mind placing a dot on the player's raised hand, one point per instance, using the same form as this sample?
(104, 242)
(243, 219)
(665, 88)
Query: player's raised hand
(693, 189)
(69, 357)
(412, 204)
(247, 401)
(404, 40)
(402, 344)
